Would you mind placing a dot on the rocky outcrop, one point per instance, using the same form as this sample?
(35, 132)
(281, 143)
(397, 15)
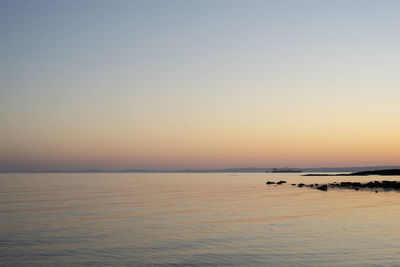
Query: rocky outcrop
(373, 185)
(323, 187)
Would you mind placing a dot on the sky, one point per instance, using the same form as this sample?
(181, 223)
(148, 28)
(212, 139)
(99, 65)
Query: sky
(198, 84)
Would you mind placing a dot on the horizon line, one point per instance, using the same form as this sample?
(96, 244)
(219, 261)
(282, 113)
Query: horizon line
(232, 169)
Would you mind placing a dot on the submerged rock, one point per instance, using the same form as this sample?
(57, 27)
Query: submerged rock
(270, 182)
(281, 182)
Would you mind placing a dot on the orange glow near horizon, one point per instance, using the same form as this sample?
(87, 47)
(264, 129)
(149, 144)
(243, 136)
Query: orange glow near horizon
(215, 148)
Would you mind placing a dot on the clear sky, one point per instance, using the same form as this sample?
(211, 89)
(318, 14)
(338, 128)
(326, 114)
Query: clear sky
(198, 84)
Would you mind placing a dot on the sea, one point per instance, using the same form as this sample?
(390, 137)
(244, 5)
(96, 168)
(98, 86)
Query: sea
(194, 219)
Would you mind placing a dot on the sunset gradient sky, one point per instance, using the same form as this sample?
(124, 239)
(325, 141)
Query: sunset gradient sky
(198, 84)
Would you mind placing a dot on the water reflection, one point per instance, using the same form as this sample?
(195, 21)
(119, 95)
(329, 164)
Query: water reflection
(210, 219)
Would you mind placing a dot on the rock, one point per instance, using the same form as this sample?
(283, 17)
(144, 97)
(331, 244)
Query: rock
(281, 182)
(293, 184)
(270, 182)
(373, 185)
(323, 187)
(345, 184)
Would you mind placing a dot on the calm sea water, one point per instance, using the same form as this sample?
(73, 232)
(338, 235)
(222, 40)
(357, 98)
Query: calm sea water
(194, 219)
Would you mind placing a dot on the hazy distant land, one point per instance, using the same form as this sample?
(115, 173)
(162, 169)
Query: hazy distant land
(366, 170)
(383, 172)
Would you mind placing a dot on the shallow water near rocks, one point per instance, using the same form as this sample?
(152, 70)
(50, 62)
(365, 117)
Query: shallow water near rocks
(213, 219)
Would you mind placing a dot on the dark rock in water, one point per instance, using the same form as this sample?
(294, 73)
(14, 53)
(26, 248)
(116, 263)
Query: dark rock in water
(376, 191)
(301, 185)
(345, 184)
(369, 185)
(281, 182)
(316, 184)
(270, 182)
(323, 187)
(373, 185)
(293, 184)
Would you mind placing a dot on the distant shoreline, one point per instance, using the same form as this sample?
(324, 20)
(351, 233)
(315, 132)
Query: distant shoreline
(321, 171)
(385, 172)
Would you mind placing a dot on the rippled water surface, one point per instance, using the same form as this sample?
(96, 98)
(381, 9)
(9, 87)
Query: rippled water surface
(194, 219)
